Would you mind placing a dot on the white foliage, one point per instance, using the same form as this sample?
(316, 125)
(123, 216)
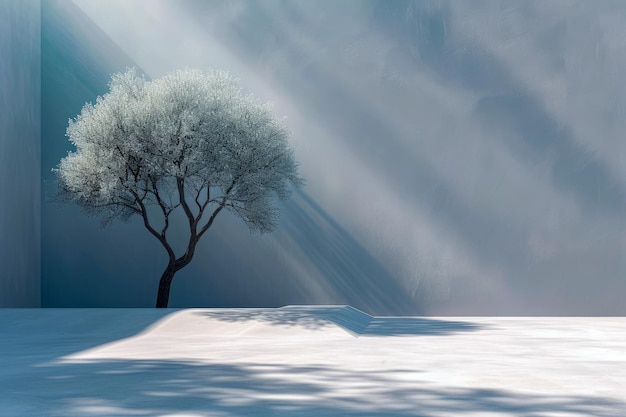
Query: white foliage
(140, 139)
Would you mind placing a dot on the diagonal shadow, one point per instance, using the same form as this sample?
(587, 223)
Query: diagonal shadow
(164, 387)
(355, 276)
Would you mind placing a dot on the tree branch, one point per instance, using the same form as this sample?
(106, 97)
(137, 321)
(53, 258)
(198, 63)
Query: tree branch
(200, 206)
(156, 234)
(180, 182)
(193, 237)
(165, 209)
(211, 219)
(217, 210)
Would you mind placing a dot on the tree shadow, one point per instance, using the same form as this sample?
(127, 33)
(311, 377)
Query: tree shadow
(274, 316)
(164, 387)
(349, 318)
(416, 326)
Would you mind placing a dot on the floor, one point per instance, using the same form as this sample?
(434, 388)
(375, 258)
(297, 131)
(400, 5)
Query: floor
(307, 361)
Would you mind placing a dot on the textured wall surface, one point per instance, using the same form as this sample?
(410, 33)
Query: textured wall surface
(20, 231)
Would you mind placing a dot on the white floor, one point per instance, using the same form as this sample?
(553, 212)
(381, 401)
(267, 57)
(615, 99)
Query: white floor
(306, 361)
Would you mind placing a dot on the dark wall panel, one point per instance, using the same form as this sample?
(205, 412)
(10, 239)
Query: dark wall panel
(20, 153)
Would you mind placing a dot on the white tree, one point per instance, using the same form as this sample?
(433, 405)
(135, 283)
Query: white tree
(190, 140)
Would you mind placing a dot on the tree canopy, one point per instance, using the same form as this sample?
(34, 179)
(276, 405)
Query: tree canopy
(197, 127)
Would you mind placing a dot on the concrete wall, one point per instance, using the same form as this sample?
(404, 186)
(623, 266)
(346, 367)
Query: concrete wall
(20, 208)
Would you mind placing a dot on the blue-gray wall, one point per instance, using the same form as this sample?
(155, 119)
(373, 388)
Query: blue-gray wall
(20, 153)
(461, 158)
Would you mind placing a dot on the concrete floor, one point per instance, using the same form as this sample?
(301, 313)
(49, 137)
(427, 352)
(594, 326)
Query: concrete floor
(307, 361)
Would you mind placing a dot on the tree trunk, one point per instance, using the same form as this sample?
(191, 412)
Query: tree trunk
(163, 295)
(173, 266)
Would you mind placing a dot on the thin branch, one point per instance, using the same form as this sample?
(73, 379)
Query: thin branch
(211, 219)
(193, 237)
(217, 210)
(164, 208)
(206, 203)
(180, 182)
(197, 199)
(156, 234)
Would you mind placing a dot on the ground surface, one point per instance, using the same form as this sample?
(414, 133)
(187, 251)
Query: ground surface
(306, 361)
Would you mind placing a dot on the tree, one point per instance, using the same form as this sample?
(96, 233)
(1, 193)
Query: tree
(190, 140)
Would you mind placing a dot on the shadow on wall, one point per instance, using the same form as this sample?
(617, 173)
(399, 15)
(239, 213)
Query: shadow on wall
(151, 387)
(354, 275)
(310, 259)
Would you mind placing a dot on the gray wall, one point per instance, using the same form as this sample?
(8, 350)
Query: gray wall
(20, 243)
